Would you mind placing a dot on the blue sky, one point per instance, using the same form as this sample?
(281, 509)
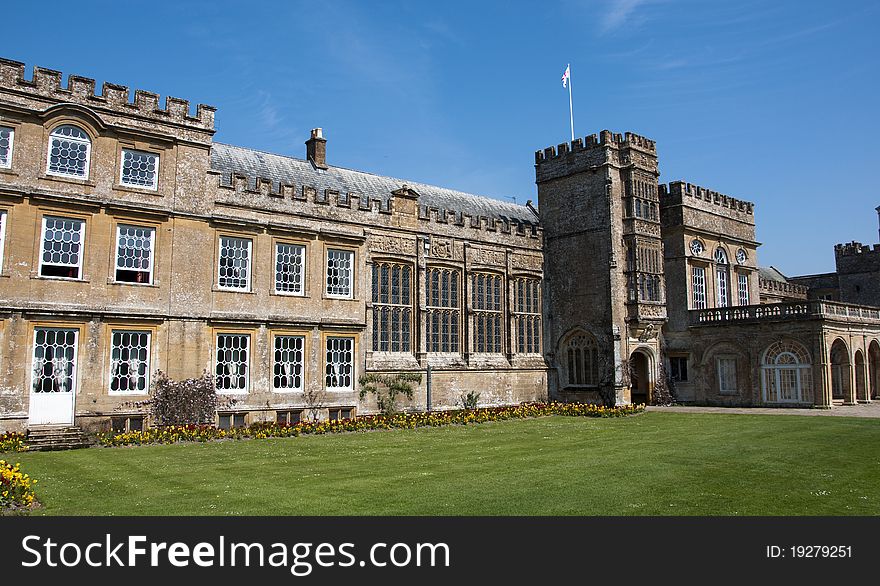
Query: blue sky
(772, 102)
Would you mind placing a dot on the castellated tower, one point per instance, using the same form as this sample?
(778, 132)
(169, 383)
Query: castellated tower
(605, 296)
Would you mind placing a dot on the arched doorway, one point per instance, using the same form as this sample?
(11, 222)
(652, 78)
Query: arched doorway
(640, 377)
(840, 377)
(861, 385)
(874, 368)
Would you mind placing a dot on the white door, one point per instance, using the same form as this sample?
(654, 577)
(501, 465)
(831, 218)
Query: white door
(53, 376)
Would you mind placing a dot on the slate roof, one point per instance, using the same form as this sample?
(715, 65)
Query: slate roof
(772, 273)
(227, 159)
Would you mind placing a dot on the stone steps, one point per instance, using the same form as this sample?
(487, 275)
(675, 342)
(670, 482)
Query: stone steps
(41, 439)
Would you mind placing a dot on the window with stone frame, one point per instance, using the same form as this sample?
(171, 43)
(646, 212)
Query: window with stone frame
(290, 268)
(233, 363)
(139, 169)
(7, 137)
(55, 362)
(742, 281)
(340, 273)
(61, 247)
(678, 368)
(582, 360)
(3, 218)
(130, 361)
(698, 287)
(527, 315)
(442, 309)
(722, 278)
(726, 366)
(234, 263)
(392, 307)
(69, 151)
(487, 315)
(134, 254)
(288, 363)
(339, 363)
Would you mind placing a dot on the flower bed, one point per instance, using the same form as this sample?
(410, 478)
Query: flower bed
(203, 433)
(16, 488)
(12, 442)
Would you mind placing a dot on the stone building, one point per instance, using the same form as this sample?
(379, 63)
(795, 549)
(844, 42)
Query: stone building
(131, 242)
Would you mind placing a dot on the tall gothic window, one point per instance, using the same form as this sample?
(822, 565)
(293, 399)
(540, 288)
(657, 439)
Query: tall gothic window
(527, 315)
(443, 309)
(486, 296)
(392, 307)
(722, 277)
(582, 360)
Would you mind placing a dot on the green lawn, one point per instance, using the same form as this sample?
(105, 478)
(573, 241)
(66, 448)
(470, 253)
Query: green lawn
(651, 464)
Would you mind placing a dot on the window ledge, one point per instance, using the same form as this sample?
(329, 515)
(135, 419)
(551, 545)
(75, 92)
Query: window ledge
(134, 189)
(219, 392)
(129, 284)
(8, 171)
(283, 294)
(67, 179)
(45, 278)
(218, 289)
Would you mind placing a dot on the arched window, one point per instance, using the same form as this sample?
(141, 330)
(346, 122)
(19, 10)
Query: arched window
(582, 360)
(69, 151)
(787, 375)
(722, 278)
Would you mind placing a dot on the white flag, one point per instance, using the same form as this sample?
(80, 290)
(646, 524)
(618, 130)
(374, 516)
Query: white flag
(566, 75)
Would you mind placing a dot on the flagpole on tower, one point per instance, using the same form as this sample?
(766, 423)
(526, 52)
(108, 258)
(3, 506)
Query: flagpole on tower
(566, 80)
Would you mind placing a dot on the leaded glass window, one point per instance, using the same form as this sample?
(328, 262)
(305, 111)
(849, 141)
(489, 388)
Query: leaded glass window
(527, 315)
(54, 367)
(69, 151)
(233, 365)
(140, 169)
(61, 248)
(287, 366)
(234, 263)
(726, 374)
(488, 317)
(290, 263)
(3, 216)
(582, 360)
(339, 364)
(134, 254)
(392, 307)
(130, 362)
(7, 136)
(340, 271)
(443, 309)
(722, 277)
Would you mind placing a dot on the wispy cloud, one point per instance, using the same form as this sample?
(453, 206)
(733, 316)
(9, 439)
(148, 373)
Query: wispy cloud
(619, 12)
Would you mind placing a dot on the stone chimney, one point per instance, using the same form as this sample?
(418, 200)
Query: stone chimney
(316, 149)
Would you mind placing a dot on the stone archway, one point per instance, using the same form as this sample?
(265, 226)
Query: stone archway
(640, 382)
(840, 371)
(874, 369)
(861, 382)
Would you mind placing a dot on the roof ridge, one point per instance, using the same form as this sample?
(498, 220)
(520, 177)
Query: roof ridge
(407, 182)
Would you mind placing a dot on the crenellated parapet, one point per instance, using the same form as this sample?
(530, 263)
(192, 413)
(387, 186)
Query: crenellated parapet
(47, 84)
(782, 289)
(855, 248)
(680, 192)
(268, 194)
(594, 150)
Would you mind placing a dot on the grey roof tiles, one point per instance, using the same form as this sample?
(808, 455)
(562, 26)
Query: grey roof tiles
(228, 159)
